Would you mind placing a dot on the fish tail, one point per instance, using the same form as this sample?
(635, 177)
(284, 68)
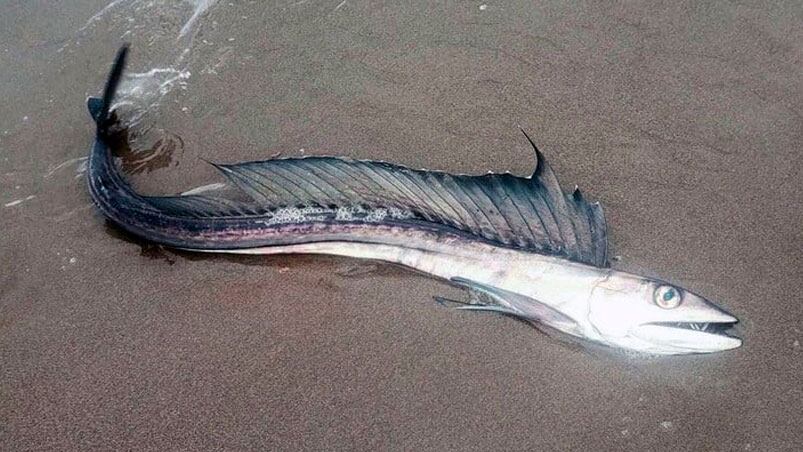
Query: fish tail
(109, 190)
(99, 107)
(170, 220)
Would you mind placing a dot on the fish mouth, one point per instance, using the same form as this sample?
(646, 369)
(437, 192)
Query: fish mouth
(689, 337)
(720, 328)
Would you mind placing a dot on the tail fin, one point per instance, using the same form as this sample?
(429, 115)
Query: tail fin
(99, 107)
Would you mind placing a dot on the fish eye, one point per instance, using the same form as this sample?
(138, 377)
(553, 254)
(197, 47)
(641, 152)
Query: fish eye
(667, 297)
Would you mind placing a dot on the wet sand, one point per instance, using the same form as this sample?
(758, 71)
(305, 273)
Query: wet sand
(684, 121)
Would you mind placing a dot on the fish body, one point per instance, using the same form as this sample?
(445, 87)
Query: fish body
(535, 252)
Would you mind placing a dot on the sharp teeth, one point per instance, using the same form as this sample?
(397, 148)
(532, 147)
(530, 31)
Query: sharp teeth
(695, 326)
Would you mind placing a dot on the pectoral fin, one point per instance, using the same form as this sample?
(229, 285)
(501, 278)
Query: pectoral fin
(517, 305)
(472, 306)
(492, 308)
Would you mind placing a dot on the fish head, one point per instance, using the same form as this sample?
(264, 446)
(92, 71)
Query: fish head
(651, 316)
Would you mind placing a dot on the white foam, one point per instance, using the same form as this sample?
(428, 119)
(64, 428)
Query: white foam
(143, 91)
(98, 15)
(19, 201)
(80, 168)
(147, 88)
(200, 7)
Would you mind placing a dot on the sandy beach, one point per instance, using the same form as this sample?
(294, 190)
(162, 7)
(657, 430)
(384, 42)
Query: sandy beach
(682, 119)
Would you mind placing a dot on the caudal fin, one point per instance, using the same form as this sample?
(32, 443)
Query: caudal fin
(99, 107)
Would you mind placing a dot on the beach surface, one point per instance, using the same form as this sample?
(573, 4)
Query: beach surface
(682, 119)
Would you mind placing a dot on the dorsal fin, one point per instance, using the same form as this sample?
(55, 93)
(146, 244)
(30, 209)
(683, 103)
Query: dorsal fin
(529, 213)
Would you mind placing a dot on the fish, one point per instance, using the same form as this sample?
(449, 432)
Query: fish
(525, 247)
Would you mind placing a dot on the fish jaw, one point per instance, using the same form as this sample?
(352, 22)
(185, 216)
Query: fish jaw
(683, 340)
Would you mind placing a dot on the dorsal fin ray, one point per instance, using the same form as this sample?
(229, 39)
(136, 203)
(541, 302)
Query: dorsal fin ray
(531, 213)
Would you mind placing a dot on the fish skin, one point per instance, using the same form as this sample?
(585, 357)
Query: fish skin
(554, 287)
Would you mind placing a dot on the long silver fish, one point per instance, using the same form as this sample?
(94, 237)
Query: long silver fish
(531, 250)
